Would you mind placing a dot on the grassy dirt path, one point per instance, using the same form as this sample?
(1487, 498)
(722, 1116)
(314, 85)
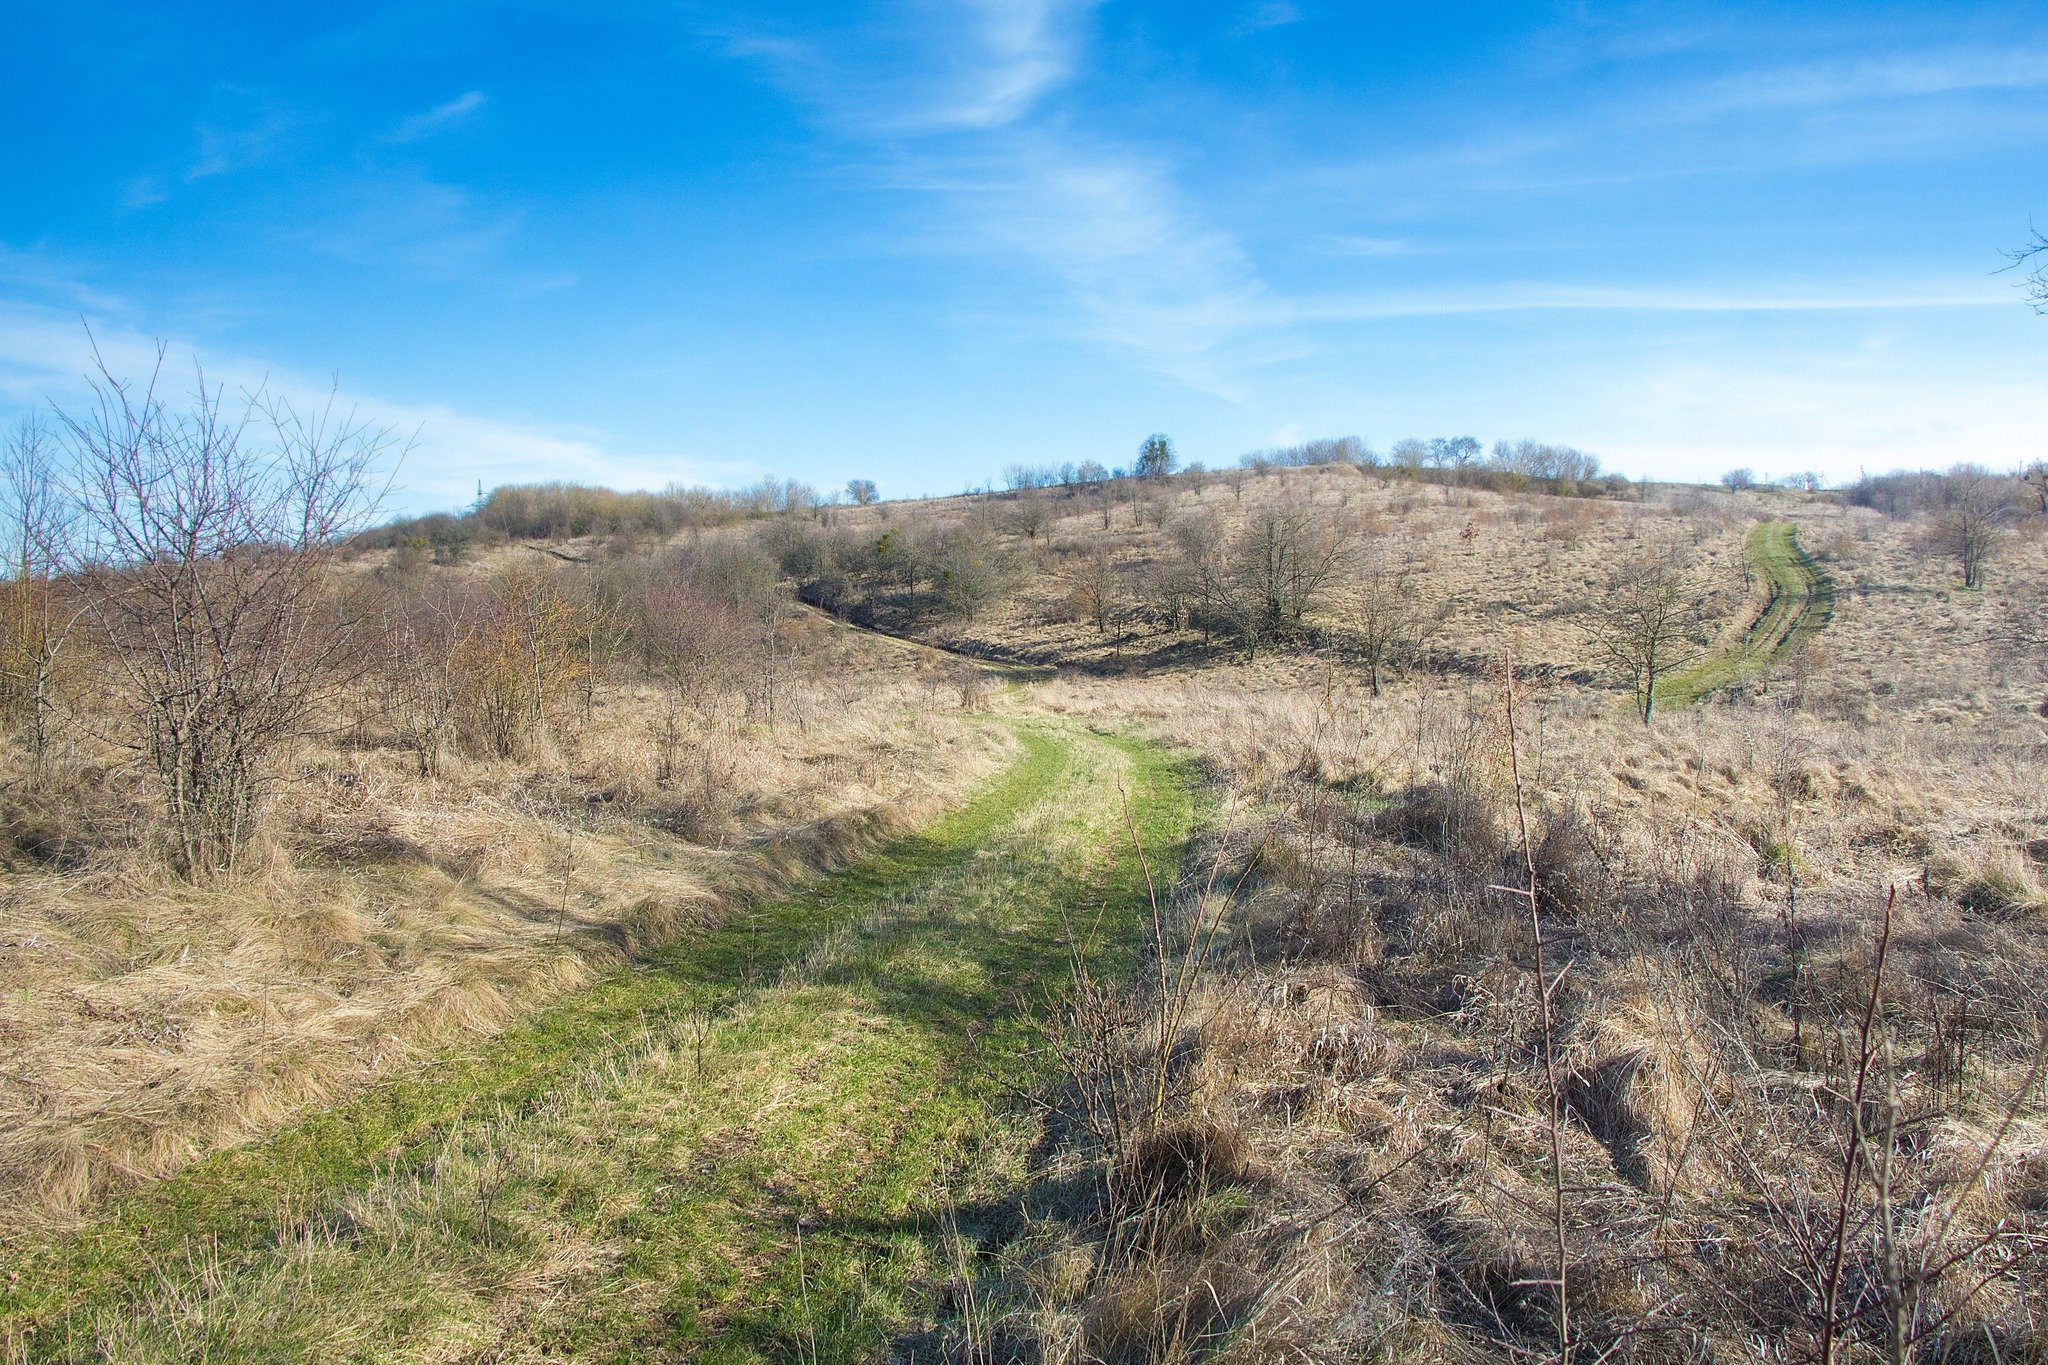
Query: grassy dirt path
(757, 1147)
(1798, 601)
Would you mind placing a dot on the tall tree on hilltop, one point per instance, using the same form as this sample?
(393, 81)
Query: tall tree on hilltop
(1155, 458)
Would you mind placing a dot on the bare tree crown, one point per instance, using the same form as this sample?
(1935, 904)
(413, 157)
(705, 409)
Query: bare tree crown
(205, 531)
(1646, 619)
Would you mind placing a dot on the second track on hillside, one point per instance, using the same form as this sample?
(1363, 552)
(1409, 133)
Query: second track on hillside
(1797, 601)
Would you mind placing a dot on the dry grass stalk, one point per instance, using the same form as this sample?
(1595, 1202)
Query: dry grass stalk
(1545, 987)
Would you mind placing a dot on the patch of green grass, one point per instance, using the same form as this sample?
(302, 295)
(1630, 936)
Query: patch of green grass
(742, 1151)
(1799, 601)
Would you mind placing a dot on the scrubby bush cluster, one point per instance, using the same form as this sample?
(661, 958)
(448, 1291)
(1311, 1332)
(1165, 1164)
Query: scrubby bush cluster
(1509, 466)
(284, 805)
(180, 588)
(558, 511)
(1257, 581)
(1965, 514)
(903, 572)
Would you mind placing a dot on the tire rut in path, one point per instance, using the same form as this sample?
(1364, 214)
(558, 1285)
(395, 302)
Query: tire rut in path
(747, 1149)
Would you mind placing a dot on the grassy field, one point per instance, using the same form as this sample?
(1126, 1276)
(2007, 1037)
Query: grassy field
(760, 1145)
(1798, 602)
(393, 918)
(858, 1123)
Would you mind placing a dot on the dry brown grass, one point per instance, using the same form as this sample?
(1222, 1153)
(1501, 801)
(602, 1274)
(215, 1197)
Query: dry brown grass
(1500, 562)
(1372, 1028)
(148, 1021)
(1354, 1157)
(1713, 884)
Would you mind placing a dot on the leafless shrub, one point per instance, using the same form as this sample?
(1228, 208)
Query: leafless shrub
(516, 668)
(205, 539)
(1971, 523)
(1566, 522)
(1393, 613)
(1570, 877)
(426, 635)
(972, 683)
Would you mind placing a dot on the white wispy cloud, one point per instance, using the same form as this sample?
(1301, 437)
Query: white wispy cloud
(1026, 48)
(400, 214)
(45, 355)
(1142, 268)
(38, 276)
(954, 101)
(1656, 101)
(1366, 245)
(437, 119)
(1866, 77)
(925, 66)
(983, 122)
(1273, 14)
(143, 191)
(1675, 298)
(227, 148)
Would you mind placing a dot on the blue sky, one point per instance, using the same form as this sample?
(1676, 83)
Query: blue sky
(919, 241)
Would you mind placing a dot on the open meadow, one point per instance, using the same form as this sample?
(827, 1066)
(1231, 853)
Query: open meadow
(616, 746)
(1317, 910)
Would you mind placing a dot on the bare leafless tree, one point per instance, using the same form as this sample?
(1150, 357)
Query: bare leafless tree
(36, 610)
(2033, 259)
(1970, 523)
(1287, 557)
(1095, 586)
(2035, 477)
(1647, 619)
(1393, 614)
(207, 532)
(1028, 515)
(1260, 581)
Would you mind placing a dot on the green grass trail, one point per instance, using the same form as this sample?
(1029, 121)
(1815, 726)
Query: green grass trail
(1799, 600)
(753, 1148)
